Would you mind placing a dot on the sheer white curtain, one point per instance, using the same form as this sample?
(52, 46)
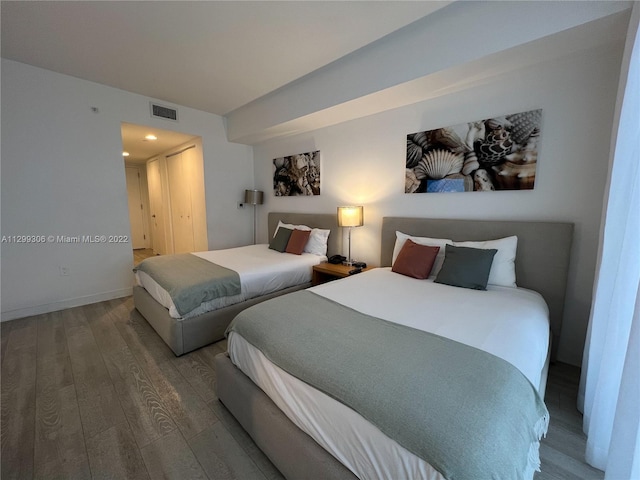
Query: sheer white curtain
(609, 393)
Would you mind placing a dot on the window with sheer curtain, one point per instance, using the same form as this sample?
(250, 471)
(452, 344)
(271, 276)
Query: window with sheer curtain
(609, 393)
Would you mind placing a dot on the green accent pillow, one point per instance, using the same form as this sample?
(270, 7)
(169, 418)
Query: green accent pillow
(280, 240)
(466, 267)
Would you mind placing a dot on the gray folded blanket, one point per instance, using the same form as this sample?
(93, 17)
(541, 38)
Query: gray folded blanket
(190, 280)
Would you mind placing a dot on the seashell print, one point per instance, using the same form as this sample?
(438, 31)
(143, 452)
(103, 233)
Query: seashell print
(417, 145)
(437, 164)
(522, 155)
(414, 154)
(515, 176)
(476, 131)
(494, 153)
(498, 122)
(279, 162)
(296, 175)
(468, 181)
(495, 147)
(422, 139)
(470, 163)
(481, 181)
(523, 124)
(450, 139)
(528, 153)
(532, 142)
(411, 183)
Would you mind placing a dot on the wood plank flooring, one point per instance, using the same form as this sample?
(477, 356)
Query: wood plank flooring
(93, 392)
(140, 254)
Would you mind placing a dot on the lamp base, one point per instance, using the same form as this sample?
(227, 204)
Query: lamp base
(348, 263)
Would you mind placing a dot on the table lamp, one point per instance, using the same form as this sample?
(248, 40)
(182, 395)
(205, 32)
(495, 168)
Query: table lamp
(350, 217)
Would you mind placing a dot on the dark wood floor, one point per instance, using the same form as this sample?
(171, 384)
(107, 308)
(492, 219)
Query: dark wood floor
(93, 392)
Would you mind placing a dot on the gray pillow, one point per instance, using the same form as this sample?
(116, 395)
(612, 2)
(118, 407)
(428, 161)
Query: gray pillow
(466, 267)
(281, 239)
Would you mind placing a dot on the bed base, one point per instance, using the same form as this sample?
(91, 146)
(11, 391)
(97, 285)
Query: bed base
(183, 336)
(294, 453)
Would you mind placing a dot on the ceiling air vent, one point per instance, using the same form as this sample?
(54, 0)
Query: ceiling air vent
(160, 111)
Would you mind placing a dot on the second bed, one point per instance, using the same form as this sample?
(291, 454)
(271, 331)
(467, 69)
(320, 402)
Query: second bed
(263, 273)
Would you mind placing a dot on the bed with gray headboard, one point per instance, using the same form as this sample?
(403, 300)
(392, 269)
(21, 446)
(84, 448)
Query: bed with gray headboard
(185, 335)
(542, 262)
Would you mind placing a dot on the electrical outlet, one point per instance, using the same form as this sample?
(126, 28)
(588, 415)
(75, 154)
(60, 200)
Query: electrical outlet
(64, 271)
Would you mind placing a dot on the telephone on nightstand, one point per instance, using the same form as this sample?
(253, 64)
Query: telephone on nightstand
(336, 259)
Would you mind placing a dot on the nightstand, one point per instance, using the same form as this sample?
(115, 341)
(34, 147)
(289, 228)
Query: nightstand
(325, 272)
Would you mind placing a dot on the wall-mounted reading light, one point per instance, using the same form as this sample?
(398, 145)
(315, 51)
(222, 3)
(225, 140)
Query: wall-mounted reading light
(254, 197)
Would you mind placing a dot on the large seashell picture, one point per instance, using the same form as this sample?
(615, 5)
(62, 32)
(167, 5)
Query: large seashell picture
(297, 175)
(486, 155)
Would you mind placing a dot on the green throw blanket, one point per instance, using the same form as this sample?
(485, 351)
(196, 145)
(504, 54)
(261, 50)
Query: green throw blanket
(190, 280)
(469, 414)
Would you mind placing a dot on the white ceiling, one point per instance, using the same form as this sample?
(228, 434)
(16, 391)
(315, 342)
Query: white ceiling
(140, 149)
(213, 56)
(219, 56)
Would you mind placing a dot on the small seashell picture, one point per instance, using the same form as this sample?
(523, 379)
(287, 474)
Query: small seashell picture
(297, 175)
(495, 154)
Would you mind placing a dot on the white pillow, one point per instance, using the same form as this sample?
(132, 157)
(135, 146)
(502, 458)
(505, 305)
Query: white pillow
(432, 242)
(290, 226)
(503, 268)
(317, 243)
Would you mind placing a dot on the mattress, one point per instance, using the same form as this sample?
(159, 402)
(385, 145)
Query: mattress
(261, 270)
(511, 323)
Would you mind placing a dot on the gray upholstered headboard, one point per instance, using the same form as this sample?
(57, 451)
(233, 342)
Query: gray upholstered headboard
(314, 220)
(542, 258)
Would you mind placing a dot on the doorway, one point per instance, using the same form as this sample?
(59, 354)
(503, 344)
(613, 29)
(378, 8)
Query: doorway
(137, 217)
(165, 191)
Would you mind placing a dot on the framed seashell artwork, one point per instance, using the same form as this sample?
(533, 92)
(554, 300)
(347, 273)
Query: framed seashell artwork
(497, 153)
(297, 175)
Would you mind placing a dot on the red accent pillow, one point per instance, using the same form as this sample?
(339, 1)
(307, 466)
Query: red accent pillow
(415, 260)
(297, 241)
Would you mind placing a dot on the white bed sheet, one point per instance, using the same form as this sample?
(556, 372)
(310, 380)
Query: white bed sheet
(511, 323)
(261, 271)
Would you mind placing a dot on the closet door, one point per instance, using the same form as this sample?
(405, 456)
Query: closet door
(180, 199)
(194, 171)
(156, 207)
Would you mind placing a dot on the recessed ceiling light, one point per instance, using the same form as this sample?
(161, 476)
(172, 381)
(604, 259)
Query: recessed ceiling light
(151, 136)
(125, 154)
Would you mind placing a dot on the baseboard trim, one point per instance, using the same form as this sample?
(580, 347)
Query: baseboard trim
(63, 304)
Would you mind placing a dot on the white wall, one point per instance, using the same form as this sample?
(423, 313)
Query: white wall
(456, 36)
(63, 174)
(362, 162)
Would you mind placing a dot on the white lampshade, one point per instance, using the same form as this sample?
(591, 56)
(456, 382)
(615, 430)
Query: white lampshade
(350, 216)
